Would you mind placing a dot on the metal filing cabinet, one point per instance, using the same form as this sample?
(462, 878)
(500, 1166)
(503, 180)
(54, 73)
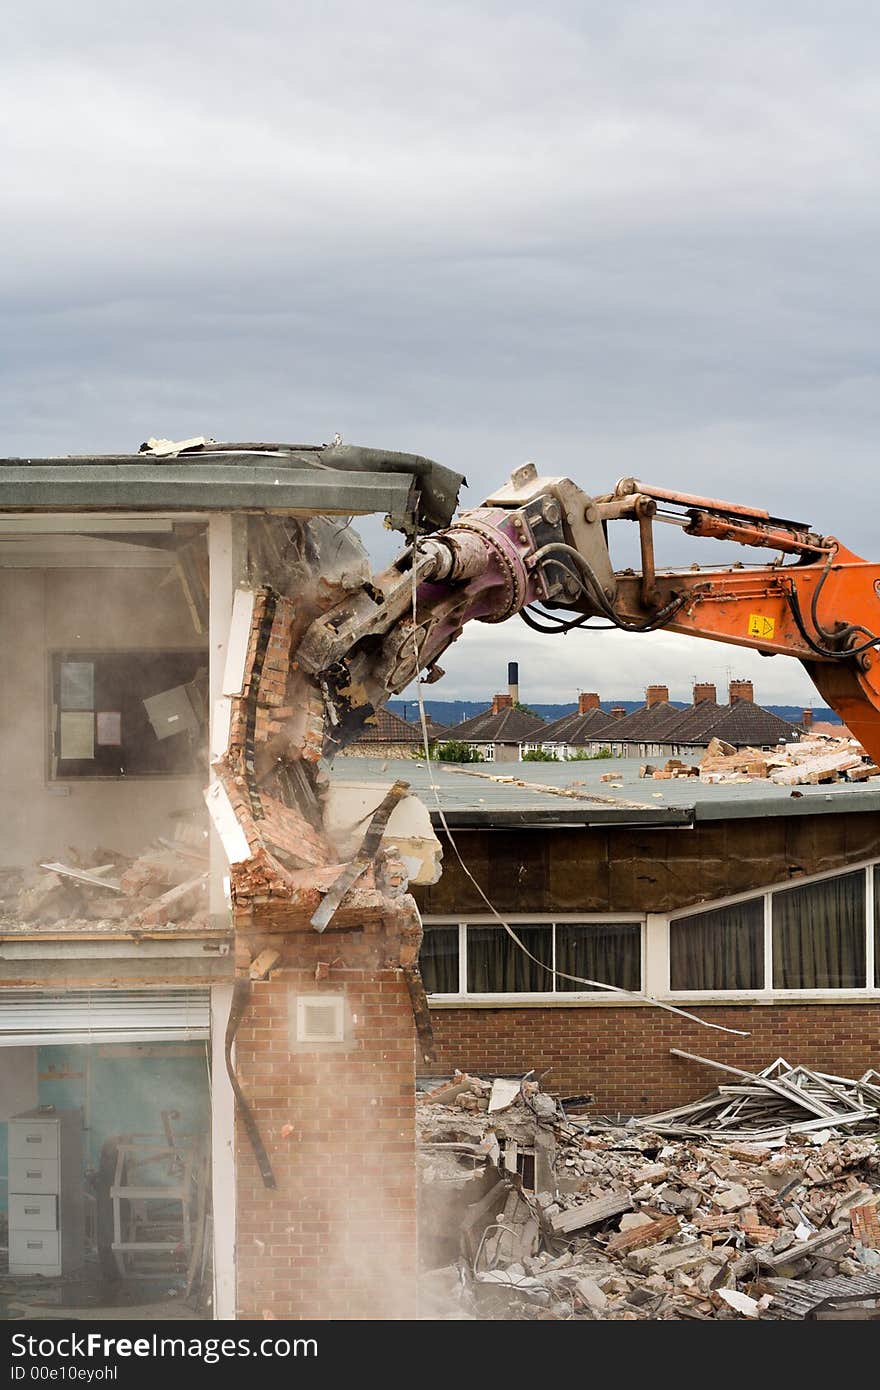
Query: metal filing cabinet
(46, 1216)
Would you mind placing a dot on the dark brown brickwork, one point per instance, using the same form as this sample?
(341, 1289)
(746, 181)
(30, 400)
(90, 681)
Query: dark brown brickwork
(337, 1239)
(621, 1055)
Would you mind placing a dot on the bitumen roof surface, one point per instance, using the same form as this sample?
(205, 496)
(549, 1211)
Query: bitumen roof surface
(561, 793)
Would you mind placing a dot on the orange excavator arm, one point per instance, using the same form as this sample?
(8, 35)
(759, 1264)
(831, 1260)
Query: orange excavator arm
(823, 608)
(539, 547)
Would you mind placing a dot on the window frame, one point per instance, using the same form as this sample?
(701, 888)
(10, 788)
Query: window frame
(553, 997)
(654, 954)
(51, 776)
(771, 993)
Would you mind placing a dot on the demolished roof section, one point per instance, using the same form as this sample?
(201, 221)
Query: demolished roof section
(201, 475)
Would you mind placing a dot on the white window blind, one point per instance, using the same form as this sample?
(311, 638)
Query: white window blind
(37, 1018)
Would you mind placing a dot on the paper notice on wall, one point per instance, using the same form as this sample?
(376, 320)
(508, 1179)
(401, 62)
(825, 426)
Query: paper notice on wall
(78, 685)
(77, 735)
(109, 722)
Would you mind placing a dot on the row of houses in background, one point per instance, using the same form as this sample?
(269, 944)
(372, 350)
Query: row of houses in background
(505, 732)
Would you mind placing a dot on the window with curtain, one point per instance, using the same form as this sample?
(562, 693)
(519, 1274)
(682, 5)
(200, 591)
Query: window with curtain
(496, 965)
(438, 960)
(610, 953)
(720, 949)
(819, 936)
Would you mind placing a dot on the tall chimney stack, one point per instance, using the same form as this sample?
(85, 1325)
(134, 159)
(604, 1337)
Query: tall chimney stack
(807, 719)
(587, 700)
(741, 690)
(656, 695)
(513, 681)
(705, 690)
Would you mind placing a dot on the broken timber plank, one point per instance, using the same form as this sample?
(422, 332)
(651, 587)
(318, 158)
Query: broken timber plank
(769, 1259)
(786, 1092)
(161, 909)
(332, 900)
(90, 876)
(650, 1234)
(575, 1218)
(545, 1154)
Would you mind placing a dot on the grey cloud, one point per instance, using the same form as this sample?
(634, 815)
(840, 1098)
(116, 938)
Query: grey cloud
(630, 239)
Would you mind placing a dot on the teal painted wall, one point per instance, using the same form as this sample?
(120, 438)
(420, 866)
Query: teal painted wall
(128, 1093)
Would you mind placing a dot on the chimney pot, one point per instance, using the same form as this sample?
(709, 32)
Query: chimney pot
(705, 690)
(587, 700)
(741, 690)
(656, 695)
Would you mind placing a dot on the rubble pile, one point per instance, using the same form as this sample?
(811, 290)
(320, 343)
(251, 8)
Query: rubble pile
(582, 1218)
(811, 762)
(166, 886)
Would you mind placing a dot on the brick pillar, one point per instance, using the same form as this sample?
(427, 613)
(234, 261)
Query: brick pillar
(337, 1239)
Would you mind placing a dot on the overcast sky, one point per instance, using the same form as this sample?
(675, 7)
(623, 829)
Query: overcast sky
(615, 238)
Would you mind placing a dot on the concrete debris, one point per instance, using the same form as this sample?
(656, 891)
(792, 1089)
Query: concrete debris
(813, 761)
(164, 889)
(626, 1223)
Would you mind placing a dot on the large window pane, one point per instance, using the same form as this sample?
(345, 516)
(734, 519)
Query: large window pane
(610, 953)
(496, 965)
(819, 935)
(721, 949)
(438, 960)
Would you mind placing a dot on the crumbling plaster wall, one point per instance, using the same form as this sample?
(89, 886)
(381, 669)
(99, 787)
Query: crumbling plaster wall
(90, 609)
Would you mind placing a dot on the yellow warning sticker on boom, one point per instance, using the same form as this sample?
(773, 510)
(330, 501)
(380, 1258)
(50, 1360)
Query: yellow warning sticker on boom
(759, 626)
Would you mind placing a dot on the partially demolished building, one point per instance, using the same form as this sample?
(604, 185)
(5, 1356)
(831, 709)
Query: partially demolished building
(220, 1095)
(212, 1012)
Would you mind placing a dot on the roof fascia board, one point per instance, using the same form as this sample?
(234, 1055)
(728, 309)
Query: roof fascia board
(209, 487)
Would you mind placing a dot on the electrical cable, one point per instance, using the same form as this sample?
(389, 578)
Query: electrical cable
(557, 974)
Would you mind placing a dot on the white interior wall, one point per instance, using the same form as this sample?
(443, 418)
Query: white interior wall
(91, 609)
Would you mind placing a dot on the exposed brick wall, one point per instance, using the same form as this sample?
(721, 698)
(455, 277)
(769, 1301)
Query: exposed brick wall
(337, 1239)
(622, 1055)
